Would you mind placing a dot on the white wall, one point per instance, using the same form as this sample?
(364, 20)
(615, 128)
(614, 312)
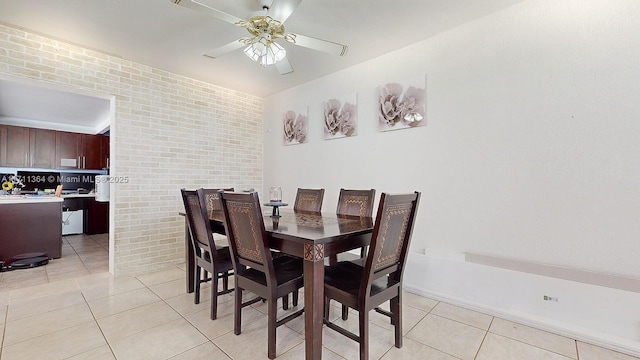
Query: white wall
(531, 152)
(531, 149)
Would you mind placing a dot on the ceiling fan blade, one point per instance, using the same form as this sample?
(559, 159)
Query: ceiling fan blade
(281, 9)
(316, 44)
(284, 67)
(198, 6)
(215, 53)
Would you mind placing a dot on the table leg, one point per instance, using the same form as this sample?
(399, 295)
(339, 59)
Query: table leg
(188, 254)
(313, 299)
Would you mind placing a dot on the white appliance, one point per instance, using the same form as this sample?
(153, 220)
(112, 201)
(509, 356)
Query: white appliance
(102, 188)
(72, 222)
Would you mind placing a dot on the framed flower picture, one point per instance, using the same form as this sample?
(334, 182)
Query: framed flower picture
(341, 117)
(401, 105)
(295, 125)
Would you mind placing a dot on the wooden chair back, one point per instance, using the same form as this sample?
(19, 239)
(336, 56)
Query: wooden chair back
(356, 202)
(309, 200)
(212, 198)
(247, 236)
(390, 239)
(199, 224)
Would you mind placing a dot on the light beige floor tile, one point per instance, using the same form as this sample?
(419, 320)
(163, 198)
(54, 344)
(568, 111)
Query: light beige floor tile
(410, 317)
(17, 285)
(206, 351)
(65, 263)
(160, 342)
(4, 297)
(122, 302)
(46, 323)
(252, 342)
(184, 304)
(380, 339)
(57, 345)
(23, 274)
(34, 292)
(68, 275)
(542, 339)
(224, 323)
(418, 301)
(162, 276)
(413, 350)
(465, 316)
(170, 289)
(500, 347)
(98, 286)
(129, 322)
(298, 353)
(3, 314)
(451, 337)
(101, 353)
(592, 352)
(42, 305)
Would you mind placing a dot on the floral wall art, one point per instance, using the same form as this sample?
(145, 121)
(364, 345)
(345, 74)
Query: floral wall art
(340, 117)
(402, 105)
(295, 124)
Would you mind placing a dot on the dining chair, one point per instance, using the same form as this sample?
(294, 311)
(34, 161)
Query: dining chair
(212, 198)
(309, 200)
(255, 269)
(216, 260)
(212, 203)
(354, 203)
(365, 288)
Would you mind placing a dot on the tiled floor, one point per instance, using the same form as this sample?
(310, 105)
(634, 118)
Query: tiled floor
(81, 255)
(97, 316)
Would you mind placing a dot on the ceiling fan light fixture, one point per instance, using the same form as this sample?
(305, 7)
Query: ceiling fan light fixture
(264, 51)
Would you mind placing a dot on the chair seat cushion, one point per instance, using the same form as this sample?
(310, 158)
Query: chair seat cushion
(286, 268)
(347, 276)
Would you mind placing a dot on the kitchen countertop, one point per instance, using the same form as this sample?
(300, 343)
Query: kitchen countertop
(67, 196)
(26, 199)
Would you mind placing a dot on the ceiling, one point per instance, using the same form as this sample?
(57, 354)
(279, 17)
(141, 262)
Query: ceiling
(171, 37)
(35, 105)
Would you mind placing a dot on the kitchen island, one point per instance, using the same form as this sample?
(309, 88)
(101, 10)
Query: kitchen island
(30, 224)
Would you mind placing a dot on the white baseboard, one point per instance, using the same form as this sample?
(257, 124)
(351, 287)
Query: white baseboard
(594, 314)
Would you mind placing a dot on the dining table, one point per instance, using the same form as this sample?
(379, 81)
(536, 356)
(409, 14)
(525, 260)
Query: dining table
(312, 237)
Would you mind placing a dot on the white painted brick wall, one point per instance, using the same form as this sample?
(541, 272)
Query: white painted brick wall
(169, 131)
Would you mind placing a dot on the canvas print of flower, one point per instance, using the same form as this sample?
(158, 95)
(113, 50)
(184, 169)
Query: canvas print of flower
(295, 126)
(340, 117)
(401, 105)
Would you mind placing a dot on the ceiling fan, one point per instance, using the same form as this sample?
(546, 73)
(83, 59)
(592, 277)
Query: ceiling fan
(264, 28)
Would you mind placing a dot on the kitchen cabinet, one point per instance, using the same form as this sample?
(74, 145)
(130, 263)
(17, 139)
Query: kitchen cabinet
(96, 217)
(27, 147)
(81, 151)
(96, 151)
(42, 145)
(68, 150)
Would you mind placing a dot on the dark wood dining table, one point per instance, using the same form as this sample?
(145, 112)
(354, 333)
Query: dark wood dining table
(312, 237)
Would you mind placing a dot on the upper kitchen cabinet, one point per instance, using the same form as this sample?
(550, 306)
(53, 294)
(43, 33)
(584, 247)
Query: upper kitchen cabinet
(96, 151)
(42, 145)
(81, 151)
(27, 147)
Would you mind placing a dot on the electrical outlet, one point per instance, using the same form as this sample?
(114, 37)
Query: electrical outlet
(550, 298)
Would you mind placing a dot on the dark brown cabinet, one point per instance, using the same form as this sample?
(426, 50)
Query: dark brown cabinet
(81, 151)
(96, 151)
(96, 217)
(27, 147)
(68, 149)
(42, 145)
